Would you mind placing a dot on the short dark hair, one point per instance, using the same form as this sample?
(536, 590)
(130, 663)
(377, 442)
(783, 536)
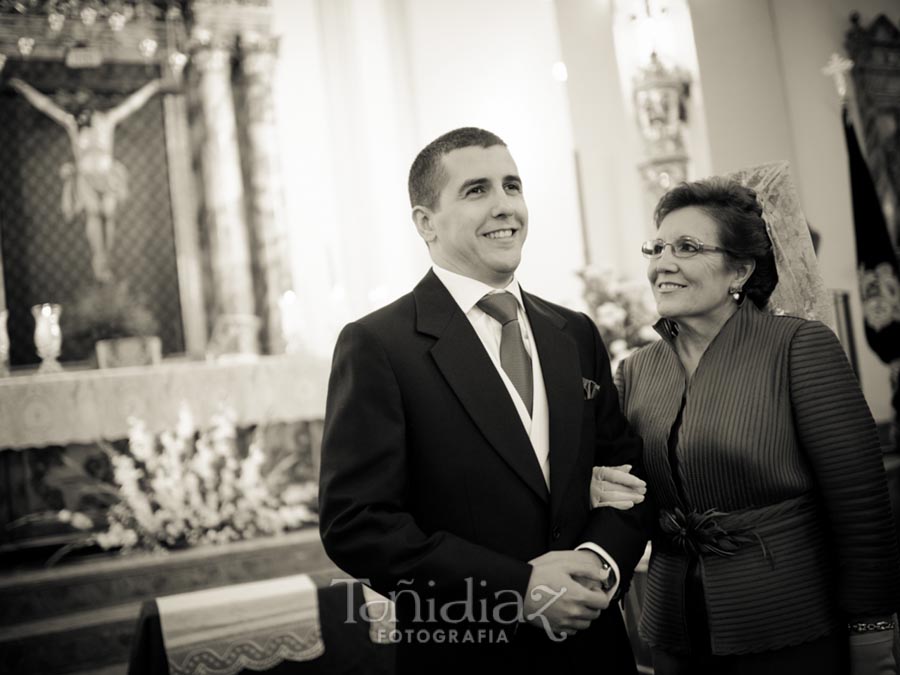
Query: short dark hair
(426, 172)
(742, 230)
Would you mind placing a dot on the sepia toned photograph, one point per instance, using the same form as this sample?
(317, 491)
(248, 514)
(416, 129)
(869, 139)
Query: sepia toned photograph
(400, 337)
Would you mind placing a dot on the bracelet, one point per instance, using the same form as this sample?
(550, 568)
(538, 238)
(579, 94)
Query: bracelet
(871, 626)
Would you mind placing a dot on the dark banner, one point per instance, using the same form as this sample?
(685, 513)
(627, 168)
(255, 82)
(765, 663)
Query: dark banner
(876, 262)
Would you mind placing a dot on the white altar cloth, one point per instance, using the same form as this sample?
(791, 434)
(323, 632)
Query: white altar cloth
(86, 406)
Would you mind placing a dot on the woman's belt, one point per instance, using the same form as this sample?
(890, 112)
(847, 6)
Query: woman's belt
(723, 534)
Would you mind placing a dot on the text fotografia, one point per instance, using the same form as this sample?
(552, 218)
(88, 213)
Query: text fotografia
(450, 636)
(507, 610)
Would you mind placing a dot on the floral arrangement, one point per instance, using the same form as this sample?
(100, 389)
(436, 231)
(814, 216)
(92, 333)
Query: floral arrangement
(186, 487)
(622, 309)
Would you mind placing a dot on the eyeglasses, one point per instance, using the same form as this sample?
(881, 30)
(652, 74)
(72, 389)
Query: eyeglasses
(683, 247)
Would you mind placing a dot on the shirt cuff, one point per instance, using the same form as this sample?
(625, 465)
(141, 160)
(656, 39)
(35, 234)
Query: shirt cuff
(607, 558)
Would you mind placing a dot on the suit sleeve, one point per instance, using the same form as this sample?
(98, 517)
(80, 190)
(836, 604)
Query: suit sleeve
(838, 435)
(366, 525)
(622, 534)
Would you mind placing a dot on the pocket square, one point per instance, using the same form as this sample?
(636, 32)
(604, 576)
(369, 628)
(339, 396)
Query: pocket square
(590, 388)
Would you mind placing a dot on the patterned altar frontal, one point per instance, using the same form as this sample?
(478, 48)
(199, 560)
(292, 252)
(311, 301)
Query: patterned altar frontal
(46, 258)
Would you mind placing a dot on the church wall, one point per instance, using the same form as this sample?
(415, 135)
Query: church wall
(362, 86)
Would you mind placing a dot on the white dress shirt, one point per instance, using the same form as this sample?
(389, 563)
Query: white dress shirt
(467, 292)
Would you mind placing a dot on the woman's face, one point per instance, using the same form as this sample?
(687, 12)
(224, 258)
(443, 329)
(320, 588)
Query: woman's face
(691, 287)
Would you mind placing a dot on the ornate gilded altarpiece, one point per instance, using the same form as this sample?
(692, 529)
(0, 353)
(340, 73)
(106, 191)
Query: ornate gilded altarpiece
(199, 235)
(67, 57)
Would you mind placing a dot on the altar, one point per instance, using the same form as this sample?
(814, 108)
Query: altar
(52, 427)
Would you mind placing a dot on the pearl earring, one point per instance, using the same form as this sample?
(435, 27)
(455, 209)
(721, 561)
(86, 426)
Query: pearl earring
(735, 293)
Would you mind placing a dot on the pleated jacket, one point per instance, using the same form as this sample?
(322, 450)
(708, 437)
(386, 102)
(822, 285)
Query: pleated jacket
(778, 449)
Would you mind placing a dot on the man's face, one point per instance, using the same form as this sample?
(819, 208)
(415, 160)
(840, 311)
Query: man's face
(480, 222)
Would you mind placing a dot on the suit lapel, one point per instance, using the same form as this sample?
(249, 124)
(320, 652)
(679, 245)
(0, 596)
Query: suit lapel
(469, 371)
(565, 397)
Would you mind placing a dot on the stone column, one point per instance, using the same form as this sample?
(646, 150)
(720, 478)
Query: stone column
(271, 259)
(223, 190)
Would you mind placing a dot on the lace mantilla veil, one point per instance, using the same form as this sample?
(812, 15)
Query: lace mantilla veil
(801, 291)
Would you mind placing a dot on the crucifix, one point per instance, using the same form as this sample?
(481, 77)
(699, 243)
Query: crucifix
(95, 183)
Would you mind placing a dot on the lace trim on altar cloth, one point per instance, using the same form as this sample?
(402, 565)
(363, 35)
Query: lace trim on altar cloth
(222, 631)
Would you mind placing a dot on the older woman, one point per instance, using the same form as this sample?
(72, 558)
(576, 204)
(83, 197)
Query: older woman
(775, 536)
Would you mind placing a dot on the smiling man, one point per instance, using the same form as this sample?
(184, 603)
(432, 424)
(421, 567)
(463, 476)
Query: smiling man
(460, 436)
(476, 225)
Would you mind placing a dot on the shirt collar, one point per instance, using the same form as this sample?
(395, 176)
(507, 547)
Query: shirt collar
(467, 291)
(667, 329)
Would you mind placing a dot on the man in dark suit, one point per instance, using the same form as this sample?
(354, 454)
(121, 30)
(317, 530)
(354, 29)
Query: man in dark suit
(462, 425)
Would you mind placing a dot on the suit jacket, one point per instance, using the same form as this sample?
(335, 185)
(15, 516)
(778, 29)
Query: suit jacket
(429, 483)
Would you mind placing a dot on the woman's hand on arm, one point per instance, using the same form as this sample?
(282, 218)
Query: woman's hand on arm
(615, 486)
